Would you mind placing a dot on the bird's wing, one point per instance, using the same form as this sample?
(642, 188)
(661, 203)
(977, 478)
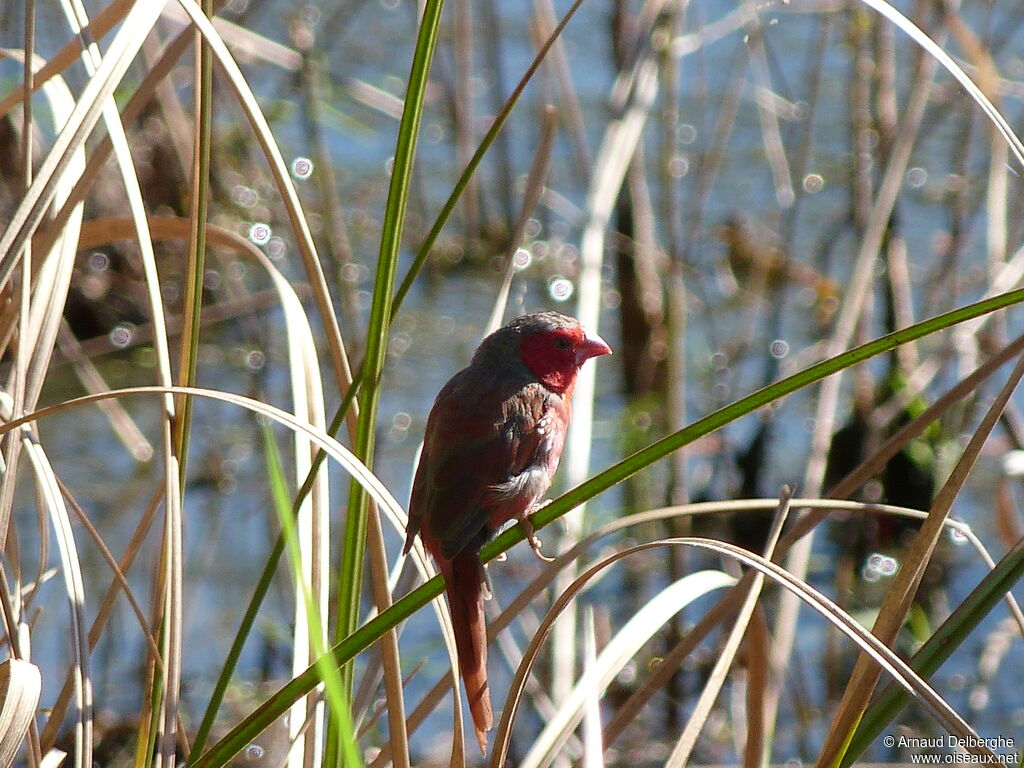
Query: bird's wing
(473, 451)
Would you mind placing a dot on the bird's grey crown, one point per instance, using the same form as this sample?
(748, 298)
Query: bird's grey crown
(540, 322)
(507, 339)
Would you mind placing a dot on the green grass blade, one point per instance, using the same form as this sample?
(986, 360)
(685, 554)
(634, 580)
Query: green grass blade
(485, 144)
(221, 752)
(426, 247)
(354, 542)
(235, 652)
(946, 639)
(337, 700)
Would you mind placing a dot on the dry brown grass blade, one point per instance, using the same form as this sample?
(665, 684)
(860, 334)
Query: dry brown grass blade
(39, 301)
(534, 186)
(289, 196)
(59, 707)
(105, 20)
(74, 583)
(896, 605)
(716, 679)
(637, 631)
(30, 211)
(120, 580)
(756, 644)
(627, 712)
(915, 427)
(121, 422)
(936, 706)
(20, 685)
(829, 390)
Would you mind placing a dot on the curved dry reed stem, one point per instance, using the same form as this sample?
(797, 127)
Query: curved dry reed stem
(289, 196)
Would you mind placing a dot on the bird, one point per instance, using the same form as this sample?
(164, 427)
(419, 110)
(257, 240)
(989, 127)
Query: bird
(491, 447)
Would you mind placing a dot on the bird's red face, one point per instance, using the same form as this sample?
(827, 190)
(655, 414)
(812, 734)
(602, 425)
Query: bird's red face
(555, 356)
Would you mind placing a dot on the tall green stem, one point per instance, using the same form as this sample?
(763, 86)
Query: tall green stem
(353, 546)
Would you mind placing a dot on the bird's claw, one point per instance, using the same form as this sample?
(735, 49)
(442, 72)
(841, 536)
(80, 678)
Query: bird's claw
(535, 546)
(524, 521)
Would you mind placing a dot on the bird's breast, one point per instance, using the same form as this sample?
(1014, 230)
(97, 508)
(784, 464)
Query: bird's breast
(539, 430)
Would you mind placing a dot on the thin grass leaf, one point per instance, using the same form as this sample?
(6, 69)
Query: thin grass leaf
(245, 731)
(305, 387)
(893, 664)
(123, 158)
(36, 301)
(936, 51)
(195, 253)
(245, 43)
(20, 685)
(377, 333)
(30, 211)
(960, 625)
(755, 644)
(716, 679)
(59, 707)
(120, 580)
(623, 647)
(167, 668)
(75, 587)
(332, 683)
(286, 188)
(105, 20)
(895, 607)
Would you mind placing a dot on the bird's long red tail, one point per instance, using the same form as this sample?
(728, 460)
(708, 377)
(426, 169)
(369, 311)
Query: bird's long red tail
(464, 578)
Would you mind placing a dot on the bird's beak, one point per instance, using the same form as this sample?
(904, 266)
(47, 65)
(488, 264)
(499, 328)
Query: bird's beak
(592, 346)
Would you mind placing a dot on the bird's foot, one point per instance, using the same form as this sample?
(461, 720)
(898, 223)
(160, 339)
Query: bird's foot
(535, 543)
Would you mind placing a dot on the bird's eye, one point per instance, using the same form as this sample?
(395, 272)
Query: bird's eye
(561, 342)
